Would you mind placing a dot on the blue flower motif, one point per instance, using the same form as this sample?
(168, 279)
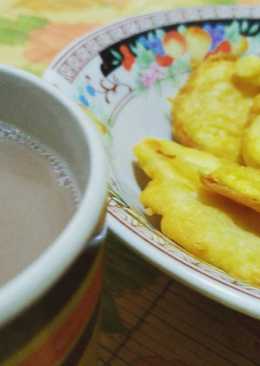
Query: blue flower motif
(143, 41)
(84, 100)
(217, 33)
(152, 43)
(90, 90)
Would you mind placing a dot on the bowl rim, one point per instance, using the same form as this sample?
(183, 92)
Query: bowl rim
(212, 288)
(24, 289)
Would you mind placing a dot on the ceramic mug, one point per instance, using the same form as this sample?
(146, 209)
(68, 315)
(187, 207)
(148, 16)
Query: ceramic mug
(49, 312)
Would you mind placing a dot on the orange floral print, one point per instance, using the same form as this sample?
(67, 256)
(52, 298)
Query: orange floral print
(46, 42)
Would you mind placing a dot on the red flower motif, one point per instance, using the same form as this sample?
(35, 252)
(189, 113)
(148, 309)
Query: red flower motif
(128, 57)
(174, 44)
(224, 47)
(164, 60)
(178, 37)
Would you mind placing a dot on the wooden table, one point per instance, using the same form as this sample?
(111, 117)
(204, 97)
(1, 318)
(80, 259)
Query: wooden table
(159, 322)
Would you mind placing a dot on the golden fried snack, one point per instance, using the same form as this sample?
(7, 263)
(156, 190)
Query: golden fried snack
(234, 181)
(251, 143)
(237, 182)
(251, 136)
(211, 110)
(247, 76)
(210, 226)
(247, 69)
(203, 161)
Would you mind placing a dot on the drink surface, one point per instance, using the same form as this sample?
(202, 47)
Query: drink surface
(38, 197)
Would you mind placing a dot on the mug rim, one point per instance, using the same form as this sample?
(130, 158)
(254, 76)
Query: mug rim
(27, 286)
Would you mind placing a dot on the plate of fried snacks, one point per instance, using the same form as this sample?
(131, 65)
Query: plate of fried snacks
(176, 97)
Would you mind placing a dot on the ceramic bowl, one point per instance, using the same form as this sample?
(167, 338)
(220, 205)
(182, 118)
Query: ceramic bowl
(121, 76)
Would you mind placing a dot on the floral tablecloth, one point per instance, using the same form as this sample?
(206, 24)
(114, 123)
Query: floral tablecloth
(149, 319)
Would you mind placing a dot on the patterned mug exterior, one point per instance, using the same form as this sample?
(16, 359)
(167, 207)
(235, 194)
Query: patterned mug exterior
(62, 327)
(49, 313)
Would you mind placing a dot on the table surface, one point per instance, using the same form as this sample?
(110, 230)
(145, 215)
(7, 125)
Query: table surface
(149, 319)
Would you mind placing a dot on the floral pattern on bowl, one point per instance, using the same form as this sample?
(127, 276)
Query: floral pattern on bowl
(122, 77)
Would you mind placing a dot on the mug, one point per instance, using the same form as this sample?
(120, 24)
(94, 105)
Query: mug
(49, 313)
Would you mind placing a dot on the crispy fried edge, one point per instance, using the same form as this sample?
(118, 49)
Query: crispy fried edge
(212, 183)
(178, 124)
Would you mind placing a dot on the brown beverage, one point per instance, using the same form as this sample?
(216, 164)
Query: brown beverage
(38, 196)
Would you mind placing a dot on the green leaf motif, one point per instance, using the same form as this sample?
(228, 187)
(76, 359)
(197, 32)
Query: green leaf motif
(16, 31)
(180, 66)
(150, 36)
(145, 58)
(232, 32)
(159, 33)
(244, 26)
(181, 29)
(139, 48)
(116, 55)
(133, 49)
(257, 38)
(115, 62)
(254, 29)
(254, 45)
